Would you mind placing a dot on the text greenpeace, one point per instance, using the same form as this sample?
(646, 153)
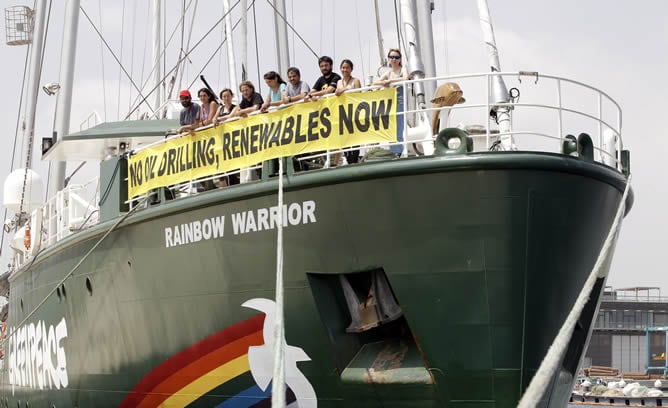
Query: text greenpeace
(37, 356)
(326, 124)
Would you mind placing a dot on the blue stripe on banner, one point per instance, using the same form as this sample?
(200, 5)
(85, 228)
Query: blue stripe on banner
(246, 398)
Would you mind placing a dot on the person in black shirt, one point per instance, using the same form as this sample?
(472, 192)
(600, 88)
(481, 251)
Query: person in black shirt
(250, 100)
(326, 84)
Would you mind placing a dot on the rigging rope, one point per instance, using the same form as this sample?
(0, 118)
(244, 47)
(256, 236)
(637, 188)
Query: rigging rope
(104, 87)
(289, 25)
(213, 54)
(359, 41)
(16, 137)
(180, 60)
(555, 353)
(220, 55)
(257, 52)
(112, 53)
(333, 25)
(292, 17)
(446, 47)
(118, 100)
(121, 65)
(143, 60)
(321, 25)
(278, 382)
(132, 53)
(181, 50)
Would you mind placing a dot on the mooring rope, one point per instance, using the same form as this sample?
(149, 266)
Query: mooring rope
(555, 353)
(278, 381)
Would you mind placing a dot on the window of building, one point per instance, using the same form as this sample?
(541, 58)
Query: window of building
(600, 349)
(660, 319)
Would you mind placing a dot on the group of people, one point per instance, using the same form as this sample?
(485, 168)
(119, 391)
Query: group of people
(211, 112)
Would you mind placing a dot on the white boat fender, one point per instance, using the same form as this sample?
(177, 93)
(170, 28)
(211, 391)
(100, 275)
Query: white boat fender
(657, 384)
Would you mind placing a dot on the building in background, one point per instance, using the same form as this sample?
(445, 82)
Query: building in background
(619, 338)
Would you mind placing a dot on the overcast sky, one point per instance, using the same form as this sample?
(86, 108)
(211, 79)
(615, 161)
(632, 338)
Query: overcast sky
(619, 47)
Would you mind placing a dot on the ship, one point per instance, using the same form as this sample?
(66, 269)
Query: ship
(439, 278)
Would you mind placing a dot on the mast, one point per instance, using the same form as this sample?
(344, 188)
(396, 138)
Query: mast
(157, 68)
(379, 33)
(283, 56)
(34, 79)
(230, 45)
(414, 64)
(244, 40)
(426, 42)
(64, 102)
(498, 90)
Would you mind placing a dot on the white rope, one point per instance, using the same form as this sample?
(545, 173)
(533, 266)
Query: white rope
(555, 353)
(278, 382)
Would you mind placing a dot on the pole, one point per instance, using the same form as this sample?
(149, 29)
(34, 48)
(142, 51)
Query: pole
(283, 57)
(499, 92)
(414, 64)
(64, 102)
(426, 43)
(230, 45)
(379, 33)
(157, 45)
(34, 78)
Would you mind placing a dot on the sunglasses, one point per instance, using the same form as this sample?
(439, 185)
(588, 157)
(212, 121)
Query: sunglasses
(394, 56)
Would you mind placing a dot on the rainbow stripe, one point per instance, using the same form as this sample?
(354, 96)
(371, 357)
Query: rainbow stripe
(200, 368)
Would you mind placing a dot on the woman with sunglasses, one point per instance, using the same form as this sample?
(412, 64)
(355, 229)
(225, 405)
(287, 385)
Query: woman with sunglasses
(396, 73)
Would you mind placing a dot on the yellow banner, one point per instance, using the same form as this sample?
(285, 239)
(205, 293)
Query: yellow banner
(326, 124)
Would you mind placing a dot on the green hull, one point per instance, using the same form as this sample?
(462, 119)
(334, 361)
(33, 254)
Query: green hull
(484, 253)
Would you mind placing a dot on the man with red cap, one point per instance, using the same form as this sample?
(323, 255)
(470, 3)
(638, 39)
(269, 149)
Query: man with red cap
(190, 114)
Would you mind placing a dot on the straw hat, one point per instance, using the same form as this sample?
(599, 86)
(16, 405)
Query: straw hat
(448, 94)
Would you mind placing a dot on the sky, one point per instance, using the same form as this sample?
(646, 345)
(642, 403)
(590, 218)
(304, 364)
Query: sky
(618, 47)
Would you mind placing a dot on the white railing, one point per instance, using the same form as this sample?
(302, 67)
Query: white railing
(635, 298)
(65, 213)
(546, 109)
(93, 119)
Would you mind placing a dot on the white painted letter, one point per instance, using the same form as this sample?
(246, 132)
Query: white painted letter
(61, 333)
(168, 237)
(309, 212)
(218, 226)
